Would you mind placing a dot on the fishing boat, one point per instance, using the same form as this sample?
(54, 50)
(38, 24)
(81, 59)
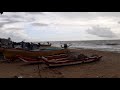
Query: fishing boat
(45, 45)
(1, 50)
(60, 60)
(12, 53)
(67, 61)
(30, 60)
(39, 59)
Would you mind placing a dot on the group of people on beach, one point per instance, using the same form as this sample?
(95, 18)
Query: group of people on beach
(29, 46)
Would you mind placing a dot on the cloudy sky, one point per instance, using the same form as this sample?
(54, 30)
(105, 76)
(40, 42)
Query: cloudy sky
(60, 26)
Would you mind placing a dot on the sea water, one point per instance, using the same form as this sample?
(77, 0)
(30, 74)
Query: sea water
(102, 45)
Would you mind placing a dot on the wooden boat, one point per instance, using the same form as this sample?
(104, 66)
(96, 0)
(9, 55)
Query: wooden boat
(39, 59)
(12, 53)
(59, 60)
(1, 50)
(68, 61)
(45, 45)
(30, 60)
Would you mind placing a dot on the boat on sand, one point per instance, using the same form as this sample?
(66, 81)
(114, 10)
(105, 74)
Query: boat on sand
(39, 59)
(61, 59)
(12, 53)
(70, 61)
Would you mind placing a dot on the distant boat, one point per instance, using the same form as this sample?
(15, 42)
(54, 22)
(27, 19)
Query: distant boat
(45, 45)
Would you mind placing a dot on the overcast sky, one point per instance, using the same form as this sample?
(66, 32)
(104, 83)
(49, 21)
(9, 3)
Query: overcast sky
(60, 26)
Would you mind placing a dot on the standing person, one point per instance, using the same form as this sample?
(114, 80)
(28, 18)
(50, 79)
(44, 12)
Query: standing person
(28, 46)
(13, 45)
(22, 44)
(39, 44)
(48, 43)
(31, 46)
(65, 46)
(0, 44)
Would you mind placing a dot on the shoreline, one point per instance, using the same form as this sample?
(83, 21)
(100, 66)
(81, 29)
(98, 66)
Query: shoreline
(108, 67)
(94, 50)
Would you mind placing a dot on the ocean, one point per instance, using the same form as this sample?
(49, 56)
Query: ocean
(102, 45)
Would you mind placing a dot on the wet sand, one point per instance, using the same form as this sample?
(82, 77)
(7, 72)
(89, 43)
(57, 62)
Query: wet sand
(107, 67)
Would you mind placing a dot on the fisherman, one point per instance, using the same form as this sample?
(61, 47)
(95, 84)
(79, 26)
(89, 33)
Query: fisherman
(28, 45)
(31, 46)
(22, 44)
(0, 44)
(39, 44)
(65, 46)
(48, 43)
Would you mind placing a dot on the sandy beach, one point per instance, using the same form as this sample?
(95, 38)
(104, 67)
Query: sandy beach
(107, 67)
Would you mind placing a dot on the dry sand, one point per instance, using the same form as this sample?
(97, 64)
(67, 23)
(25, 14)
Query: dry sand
(108, 67)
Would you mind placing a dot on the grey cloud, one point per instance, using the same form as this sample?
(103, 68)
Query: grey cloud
(34, 12)
(87, 15)
(14, 29)
(13, 36)
(75, 14)
(17, 16)
(11, 20)
(3, 23)
(7, 21)
(101, 32)
(4, 16)
(108, 14)
(39, 24)
(22, 18)
(119, 22)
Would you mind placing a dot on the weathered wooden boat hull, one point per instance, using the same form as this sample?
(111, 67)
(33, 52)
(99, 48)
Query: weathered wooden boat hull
(38, 59)
(11, 53)
(1, 50)
(30, 60)
(63, 62)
